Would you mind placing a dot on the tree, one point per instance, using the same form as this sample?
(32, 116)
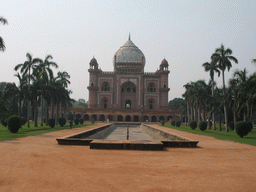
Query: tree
(48, 77)
(176, 104)
(246, 97)
(26, 68)
(2, 46)
(21, 88)
(8, 99)
(212, 68)
(62, 79)
(224, 57)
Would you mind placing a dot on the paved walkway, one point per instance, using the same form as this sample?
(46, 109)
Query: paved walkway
(38, 163)
(135, 133)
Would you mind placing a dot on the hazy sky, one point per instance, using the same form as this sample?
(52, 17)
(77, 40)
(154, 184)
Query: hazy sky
(185, 32)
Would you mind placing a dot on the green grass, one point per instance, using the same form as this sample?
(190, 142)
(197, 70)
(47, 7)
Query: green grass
(25, 131)
(231, 135)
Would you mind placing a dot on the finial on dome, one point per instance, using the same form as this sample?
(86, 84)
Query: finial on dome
(129, 37)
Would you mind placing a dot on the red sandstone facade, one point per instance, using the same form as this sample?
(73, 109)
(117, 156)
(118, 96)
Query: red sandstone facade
(128, 93)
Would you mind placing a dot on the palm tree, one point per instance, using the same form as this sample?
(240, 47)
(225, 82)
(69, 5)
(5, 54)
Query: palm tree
(253, 60)
(62, 81)
(246, 96)
(224, 57)
(48, 76)
(2, 47)
(21, 87)
(189, 99)
(212, 67)
(63, 78)
(26, 68)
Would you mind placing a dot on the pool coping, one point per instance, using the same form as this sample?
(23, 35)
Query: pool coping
(126, 144)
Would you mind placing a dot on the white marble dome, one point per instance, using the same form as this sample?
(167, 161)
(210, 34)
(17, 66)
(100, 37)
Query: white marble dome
(129, 53)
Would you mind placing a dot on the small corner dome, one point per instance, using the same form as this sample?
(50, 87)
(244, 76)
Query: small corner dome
(93, 61)
(129, 53)
(164, 62)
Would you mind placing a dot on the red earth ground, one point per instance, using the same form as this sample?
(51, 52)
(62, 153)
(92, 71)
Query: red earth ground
(38, 163)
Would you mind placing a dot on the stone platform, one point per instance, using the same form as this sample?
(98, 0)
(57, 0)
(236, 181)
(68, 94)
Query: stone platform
(127, 144)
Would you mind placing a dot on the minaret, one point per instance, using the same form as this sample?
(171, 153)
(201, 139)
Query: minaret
(93, 88)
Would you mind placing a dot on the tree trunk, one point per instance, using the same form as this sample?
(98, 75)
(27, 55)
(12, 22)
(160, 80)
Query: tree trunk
(65, 109)
(204, 113)
(234, 113)
(35, 112)
(199, 113)
(19, 108)
(225, 105)
(47, 114)
(213, 111)
(186, 116)
(220, 129)
(226, 116)
(188, 111)
(194, 113)
(42, 110)
(28, 113)
(52, 108)
(209, 121)
(213, 120)
(251, 112)
(56, 113)
(60, 109)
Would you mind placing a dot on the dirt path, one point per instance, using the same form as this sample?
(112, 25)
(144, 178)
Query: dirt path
(38, 163)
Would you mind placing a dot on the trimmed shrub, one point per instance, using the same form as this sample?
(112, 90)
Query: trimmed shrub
(173, 122)
(4, 122)
(243, 128)
(249, 126)
(76, 121)
(81, 121)
(231, 125)
(203, 125)
(193, 124)
(177, 123)
(93, 121)
(62, 121)
(52, 122)
(22, 121)
(14, 123)
(162, 122)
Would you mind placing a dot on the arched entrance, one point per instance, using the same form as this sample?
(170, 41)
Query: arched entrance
(153, 118)
(110, 117)
(128, 95)
(145, 118)
(119, 118)
(128, 104)
(102, 117)
(161, 118)
(94, 117)
(136, 118)
(128, 118)
(169, 117)
(86, 117)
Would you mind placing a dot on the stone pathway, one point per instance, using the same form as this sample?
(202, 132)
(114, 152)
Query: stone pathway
(38, 163)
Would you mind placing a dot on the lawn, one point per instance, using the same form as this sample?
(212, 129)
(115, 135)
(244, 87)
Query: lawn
(231, 135)
(25, 131)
